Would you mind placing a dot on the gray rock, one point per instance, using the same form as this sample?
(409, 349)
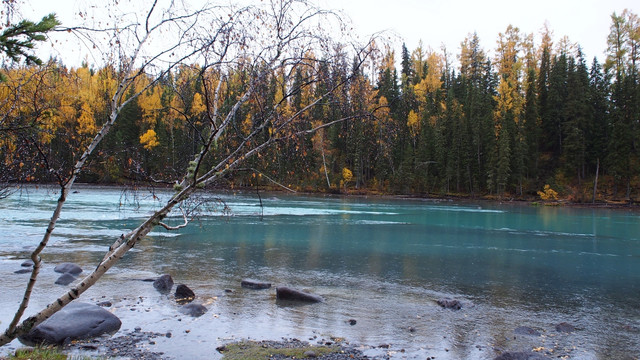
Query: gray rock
(310, 354)
(525, 330)
(27, 263)
(254, 284)
(521, 356)
(565, 327)
(289, 294)
(194, 310)
(66, 279)
(164, 283)
(22, 271)
(184, 294)
(450, 304)
(70, 268)
(75, 321)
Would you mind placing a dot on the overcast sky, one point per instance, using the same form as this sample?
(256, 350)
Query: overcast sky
(438, 22)
(448, 22)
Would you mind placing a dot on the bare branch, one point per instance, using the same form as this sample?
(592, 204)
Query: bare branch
(178, 227)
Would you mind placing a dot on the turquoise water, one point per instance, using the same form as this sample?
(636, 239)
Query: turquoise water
(382, 262)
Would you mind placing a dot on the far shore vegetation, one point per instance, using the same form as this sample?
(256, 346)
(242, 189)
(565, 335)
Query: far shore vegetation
(535, 115)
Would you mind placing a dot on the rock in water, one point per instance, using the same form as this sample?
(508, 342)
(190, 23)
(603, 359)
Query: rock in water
(75, 321)
(450, 304)
(184, 294)
(255, 284)
(164, 283)
(65, 279)
(27, 263)
(521, 356)
(289, 294)
(565, 327)
(194, 310)
(70, 268)
(525, 330)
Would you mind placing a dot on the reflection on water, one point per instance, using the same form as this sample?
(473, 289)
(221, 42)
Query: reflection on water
(381, 262)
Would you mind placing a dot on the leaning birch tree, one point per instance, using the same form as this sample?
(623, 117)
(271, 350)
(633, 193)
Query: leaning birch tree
(273, 37)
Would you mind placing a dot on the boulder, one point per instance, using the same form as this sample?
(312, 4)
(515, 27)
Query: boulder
(521, 356)
(65, 279)
(22, 271)
(289, 294)
(254, 284)
(70, 268)
(194, 310)
(75, 321)
(452, 304)
(525, 330)
(184, 294)
(164, 283)
(565, 327)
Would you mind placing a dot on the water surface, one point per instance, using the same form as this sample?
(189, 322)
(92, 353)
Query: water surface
(382, 262)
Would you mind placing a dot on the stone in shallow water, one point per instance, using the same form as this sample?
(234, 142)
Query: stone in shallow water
(65, 279)
(184, 294)
(70, 268)
(75, 321)
(164, 283)
(521, 356)
(565, 327)
(525, 330)
(27, 263)
(450, 304)
(194, 310)
(254, 284)
(289, 294)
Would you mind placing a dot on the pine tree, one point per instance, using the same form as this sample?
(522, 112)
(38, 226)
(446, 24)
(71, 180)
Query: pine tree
(17, 41)
(577, 116)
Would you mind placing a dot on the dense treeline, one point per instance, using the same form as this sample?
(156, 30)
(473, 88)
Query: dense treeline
(504, 126)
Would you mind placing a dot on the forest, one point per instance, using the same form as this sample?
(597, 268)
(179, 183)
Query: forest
(530, 117)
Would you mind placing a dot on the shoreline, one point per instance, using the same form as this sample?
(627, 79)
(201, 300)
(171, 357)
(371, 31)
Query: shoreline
(632, 206)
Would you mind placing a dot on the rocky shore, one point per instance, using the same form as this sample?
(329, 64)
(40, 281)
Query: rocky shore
(132, 346)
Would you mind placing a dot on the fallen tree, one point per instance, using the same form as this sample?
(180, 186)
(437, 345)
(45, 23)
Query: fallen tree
(236, 52)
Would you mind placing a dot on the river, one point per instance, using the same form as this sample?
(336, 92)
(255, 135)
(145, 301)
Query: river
(382, 262)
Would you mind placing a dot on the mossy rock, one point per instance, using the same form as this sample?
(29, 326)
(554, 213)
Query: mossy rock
(258, 350)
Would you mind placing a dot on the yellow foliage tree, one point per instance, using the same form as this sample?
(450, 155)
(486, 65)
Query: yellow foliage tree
(347, 177)
(548, 193)
(149, 139)
(198, 106)
(413, 123)
(150, 102)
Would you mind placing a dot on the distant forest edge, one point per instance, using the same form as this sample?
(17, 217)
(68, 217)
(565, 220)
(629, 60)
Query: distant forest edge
(532, 120)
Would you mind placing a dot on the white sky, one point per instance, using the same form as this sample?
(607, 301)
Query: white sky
(448, 22)
(435, 22)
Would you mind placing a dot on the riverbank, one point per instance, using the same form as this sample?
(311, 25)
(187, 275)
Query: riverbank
(129, 190)
(135, 345)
